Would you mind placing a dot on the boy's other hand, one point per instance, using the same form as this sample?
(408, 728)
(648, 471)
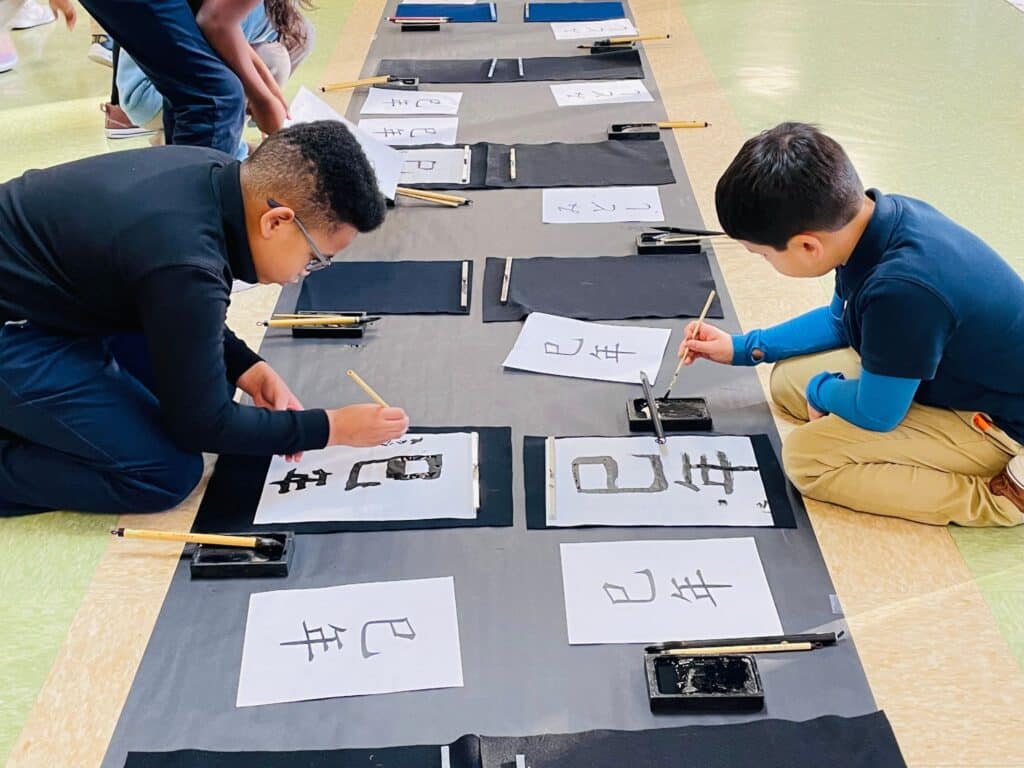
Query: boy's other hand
(366, 424)
(708, 343)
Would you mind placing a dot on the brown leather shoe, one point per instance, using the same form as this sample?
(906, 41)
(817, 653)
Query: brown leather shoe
(1010, 482)
(119, 126)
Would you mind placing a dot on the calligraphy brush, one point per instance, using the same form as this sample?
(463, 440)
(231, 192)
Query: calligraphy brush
(612, 42)
(652, 406)
(261, 545)
(366, 388)
(772, 644)
(296, 322)
(686, 355)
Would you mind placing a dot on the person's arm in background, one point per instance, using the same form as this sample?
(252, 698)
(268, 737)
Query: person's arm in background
(220, 22)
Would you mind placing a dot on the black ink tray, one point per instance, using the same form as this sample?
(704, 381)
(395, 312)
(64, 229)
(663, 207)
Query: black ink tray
(330, 331)
(634, 132)
(653, 242)
(678, 414)
(597, 50)
(211, 562)
(705, 683)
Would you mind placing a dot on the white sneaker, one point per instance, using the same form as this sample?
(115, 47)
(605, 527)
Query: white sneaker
(8, 54)
(32, 14)
(102, 50)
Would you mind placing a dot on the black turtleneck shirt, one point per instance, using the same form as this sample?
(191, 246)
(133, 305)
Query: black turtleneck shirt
(148, 240)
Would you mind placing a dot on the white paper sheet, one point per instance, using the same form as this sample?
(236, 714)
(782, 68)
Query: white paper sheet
(385, 101)
(352, 484)
(601, 205)
(600, 92)
(399, 131)
(691, 480)
(350, 640)
(579, 30)
(658, 591)
(386, 162)
(435, 166)
(562, 346)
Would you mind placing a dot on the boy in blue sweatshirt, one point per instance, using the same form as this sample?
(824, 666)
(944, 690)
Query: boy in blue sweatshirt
(909, 380)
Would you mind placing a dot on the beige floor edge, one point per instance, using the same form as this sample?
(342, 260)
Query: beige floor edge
(933, 654)
(915, 612)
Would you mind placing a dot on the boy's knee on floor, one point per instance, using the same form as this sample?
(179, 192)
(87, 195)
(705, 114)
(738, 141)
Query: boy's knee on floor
(801, 452)
(165, 483)
(786, 392)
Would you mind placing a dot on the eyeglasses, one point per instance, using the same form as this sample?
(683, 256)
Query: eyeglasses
(319, 260)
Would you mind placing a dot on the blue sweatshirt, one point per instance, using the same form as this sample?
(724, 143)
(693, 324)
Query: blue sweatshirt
(935, 314)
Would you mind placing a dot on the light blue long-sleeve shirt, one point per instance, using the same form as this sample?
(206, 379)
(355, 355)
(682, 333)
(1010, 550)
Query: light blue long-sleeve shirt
(874, 402)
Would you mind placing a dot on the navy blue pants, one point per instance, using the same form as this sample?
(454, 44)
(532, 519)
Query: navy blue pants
(80, 430)
(204, 103)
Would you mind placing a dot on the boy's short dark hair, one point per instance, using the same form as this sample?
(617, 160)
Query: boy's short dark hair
(784, 181)
(319, 170)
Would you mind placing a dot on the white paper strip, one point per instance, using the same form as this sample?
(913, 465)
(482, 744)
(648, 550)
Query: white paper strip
(601, 205)
(417, 477)
(561, 346)
(658, 591)
(434, 166)
(385, 101)
(412, 130)
(579, 30)
(600, 92)
(691, 480)
(350, 640)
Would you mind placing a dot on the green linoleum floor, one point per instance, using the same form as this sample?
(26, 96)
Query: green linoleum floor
(49, 114)
(927, 96)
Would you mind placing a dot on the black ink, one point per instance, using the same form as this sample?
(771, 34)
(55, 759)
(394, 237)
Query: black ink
(607, 587)
(724, 466)
(703, 587)
(411, 635)
(395, 470)
(323, 640)
(608, 353)
(551, 348)
(611, 469)
(300, 480)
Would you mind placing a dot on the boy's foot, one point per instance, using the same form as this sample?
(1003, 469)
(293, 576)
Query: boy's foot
(119, 126)
(102, 50)
(8, 54)
(1010, 482)
(32, 14)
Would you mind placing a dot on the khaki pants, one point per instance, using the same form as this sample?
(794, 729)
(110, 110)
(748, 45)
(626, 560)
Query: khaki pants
(933, 468)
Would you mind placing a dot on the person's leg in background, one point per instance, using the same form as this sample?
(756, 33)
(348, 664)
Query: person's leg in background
(8, 53)
(935, 467)
(117, 123)
(82, 431)
(281, 61)
(102, 49)
(205, 102)
(32, 14)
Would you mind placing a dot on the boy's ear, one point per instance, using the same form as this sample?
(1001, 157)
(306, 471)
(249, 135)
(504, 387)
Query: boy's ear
(809, 246)
(274, 219)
